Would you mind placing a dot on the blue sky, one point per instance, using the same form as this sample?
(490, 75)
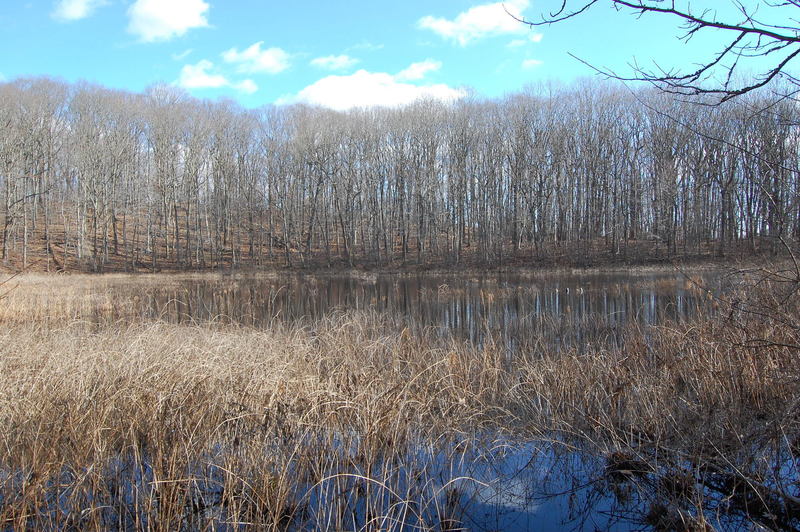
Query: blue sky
(338, 54)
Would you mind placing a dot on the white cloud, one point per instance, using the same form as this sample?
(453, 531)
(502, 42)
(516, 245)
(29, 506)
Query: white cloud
(417, 71)
(182, 55)
(248, 86)
(198, 76)
(334, 62)
(254, 59)
(161, 20)
(528, 64)
(479, 21)
(366, 46)
(368, 89)
(532, 38)
(69, 10)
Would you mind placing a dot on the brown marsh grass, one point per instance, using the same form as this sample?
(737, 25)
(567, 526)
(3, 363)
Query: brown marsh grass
(355, 422)
(160, 426)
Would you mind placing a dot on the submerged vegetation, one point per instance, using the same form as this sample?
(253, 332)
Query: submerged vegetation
(355, 422)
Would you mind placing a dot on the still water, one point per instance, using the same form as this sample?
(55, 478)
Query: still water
(563, 309)
(515, 486)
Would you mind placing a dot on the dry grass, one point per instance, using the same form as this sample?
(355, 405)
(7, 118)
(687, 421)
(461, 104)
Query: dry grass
(714, 403)
(162, 426)
(673, 382)
(356, 423)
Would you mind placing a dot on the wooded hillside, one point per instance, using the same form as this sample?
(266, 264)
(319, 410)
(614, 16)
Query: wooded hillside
(98, 179)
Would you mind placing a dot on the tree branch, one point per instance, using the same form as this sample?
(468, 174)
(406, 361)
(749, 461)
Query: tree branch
(753, 38)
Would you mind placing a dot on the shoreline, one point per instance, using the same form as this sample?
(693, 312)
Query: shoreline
(633, 268)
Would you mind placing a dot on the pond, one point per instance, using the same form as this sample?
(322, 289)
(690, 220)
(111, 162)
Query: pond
(507, 478)
(563, 309)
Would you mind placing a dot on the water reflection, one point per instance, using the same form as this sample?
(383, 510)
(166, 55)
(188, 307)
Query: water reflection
(559, 309)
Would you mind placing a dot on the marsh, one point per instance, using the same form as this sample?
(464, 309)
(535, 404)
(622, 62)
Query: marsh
(395, 402)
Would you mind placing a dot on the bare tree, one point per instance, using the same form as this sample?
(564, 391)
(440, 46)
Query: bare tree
(110, 180)
(758, 32)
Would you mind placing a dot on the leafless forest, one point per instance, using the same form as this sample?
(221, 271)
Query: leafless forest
(97, 179)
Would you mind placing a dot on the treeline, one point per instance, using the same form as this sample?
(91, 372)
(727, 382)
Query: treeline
(99, 179)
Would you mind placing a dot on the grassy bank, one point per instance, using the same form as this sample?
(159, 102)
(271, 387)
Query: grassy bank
(353, 422)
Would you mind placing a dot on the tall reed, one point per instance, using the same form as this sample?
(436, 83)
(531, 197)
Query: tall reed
(356, 422)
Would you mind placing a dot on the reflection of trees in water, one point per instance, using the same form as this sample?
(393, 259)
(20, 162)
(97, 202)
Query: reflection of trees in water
(564, 310)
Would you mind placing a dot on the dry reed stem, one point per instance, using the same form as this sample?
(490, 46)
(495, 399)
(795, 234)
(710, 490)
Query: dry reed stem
(259, 414)
(151, 425)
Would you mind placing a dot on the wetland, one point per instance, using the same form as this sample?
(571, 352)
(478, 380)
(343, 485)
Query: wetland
(581, 400)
